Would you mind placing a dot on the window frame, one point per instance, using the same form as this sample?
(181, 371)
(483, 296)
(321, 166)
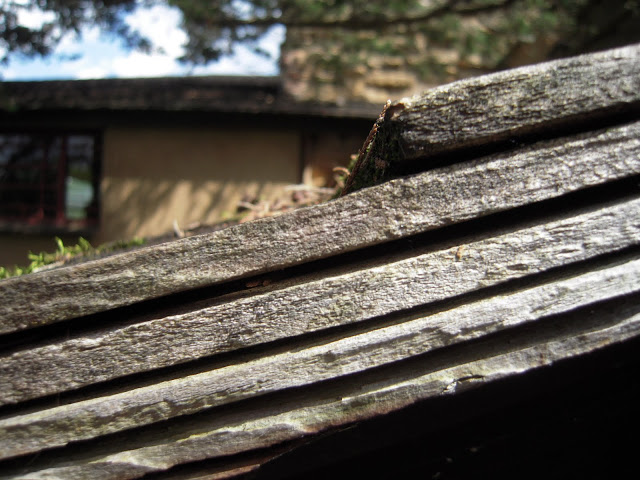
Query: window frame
(59, 221)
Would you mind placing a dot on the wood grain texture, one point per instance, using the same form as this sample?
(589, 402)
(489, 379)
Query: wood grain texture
(232, 433)
(327, 303)
(313, 306)
(517, 102)
(386, 212)
(232, 378)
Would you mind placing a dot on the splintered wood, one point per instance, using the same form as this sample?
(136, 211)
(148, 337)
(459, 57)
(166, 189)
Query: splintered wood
(232, 347)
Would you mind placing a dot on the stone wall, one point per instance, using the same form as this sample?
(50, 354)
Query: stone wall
(327, 66)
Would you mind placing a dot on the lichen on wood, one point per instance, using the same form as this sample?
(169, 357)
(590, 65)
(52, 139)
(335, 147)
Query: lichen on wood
(490, 267)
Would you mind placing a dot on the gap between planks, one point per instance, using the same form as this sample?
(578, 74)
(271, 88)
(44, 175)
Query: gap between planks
(394, 210)
(317, 305)
(189, 395)
(304, 414)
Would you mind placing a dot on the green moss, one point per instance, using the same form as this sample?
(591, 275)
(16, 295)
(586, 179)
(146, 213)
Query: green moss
(66, 252)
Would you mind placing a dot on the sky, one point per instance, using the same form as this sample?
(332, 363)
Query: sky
(96, 55)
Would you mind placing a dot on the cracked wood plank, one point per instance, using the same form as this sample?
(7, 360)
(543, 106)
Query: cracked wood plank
(394, 287)
(390, 211)
(523, 101)
(229, 433)
(396, 346)
(315, 305)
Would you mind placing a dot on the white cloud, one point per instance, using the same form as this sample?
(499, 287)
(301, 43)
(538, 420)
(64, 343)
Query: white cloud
(137, 64)
(101, 56)
(33, 18)
(30, 17)
(72, 43)
(161, 25)
(91, 72)
(247, 62)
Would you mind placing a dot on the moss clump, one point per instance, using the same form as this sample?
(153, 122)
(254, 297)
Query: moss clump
(64, 253)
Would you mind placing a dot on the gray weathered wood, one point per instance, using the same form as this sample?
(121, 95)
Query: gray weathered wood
(513, 103)
(390, 288)
(232, 378)
(315, 305)
(393, 210)
(269, 425)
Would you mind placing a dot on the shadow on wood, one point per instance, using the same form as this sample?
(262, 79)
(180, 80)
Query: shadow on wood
(475, 313)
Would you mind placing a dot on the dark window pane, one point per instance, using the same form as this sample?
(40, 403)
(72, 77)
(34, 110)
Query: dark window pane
(47, 178)
(80, 194)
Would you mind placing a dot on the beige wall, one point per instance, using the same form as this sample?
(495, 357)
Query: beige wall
(326, 150)
(152, 177)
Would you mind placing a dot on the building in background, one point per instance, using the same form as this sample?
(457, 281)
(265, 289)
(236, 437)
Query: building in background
(119, 158)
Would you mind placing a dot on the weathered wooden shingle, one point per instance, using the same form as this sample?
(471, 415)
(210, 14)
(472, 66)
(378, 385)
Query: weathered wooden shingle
(525, 101)
(484, 268)
(391, 211)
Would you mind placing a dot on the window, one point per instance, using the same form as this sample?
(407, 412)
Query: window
(49, 179)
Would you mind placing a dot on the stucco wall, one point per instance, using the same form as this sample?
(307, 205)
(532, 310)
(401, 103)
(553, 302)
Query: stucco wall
(152, 177)
(323, 151)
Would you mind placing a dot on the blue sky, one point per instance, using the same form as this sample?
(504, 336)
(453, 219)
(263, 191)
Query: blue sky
(98, 56)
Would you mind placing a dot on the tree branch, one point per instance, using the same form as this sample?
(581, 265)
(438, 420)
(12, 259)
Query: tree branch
(353, 22)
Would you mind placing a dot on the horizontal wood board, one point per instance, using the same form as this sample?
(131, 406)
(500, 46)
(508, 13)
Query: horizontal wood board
(228, 433)
(532, 99)
(532, 257)
(379, 214)
(101, 416)
(316, 305)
